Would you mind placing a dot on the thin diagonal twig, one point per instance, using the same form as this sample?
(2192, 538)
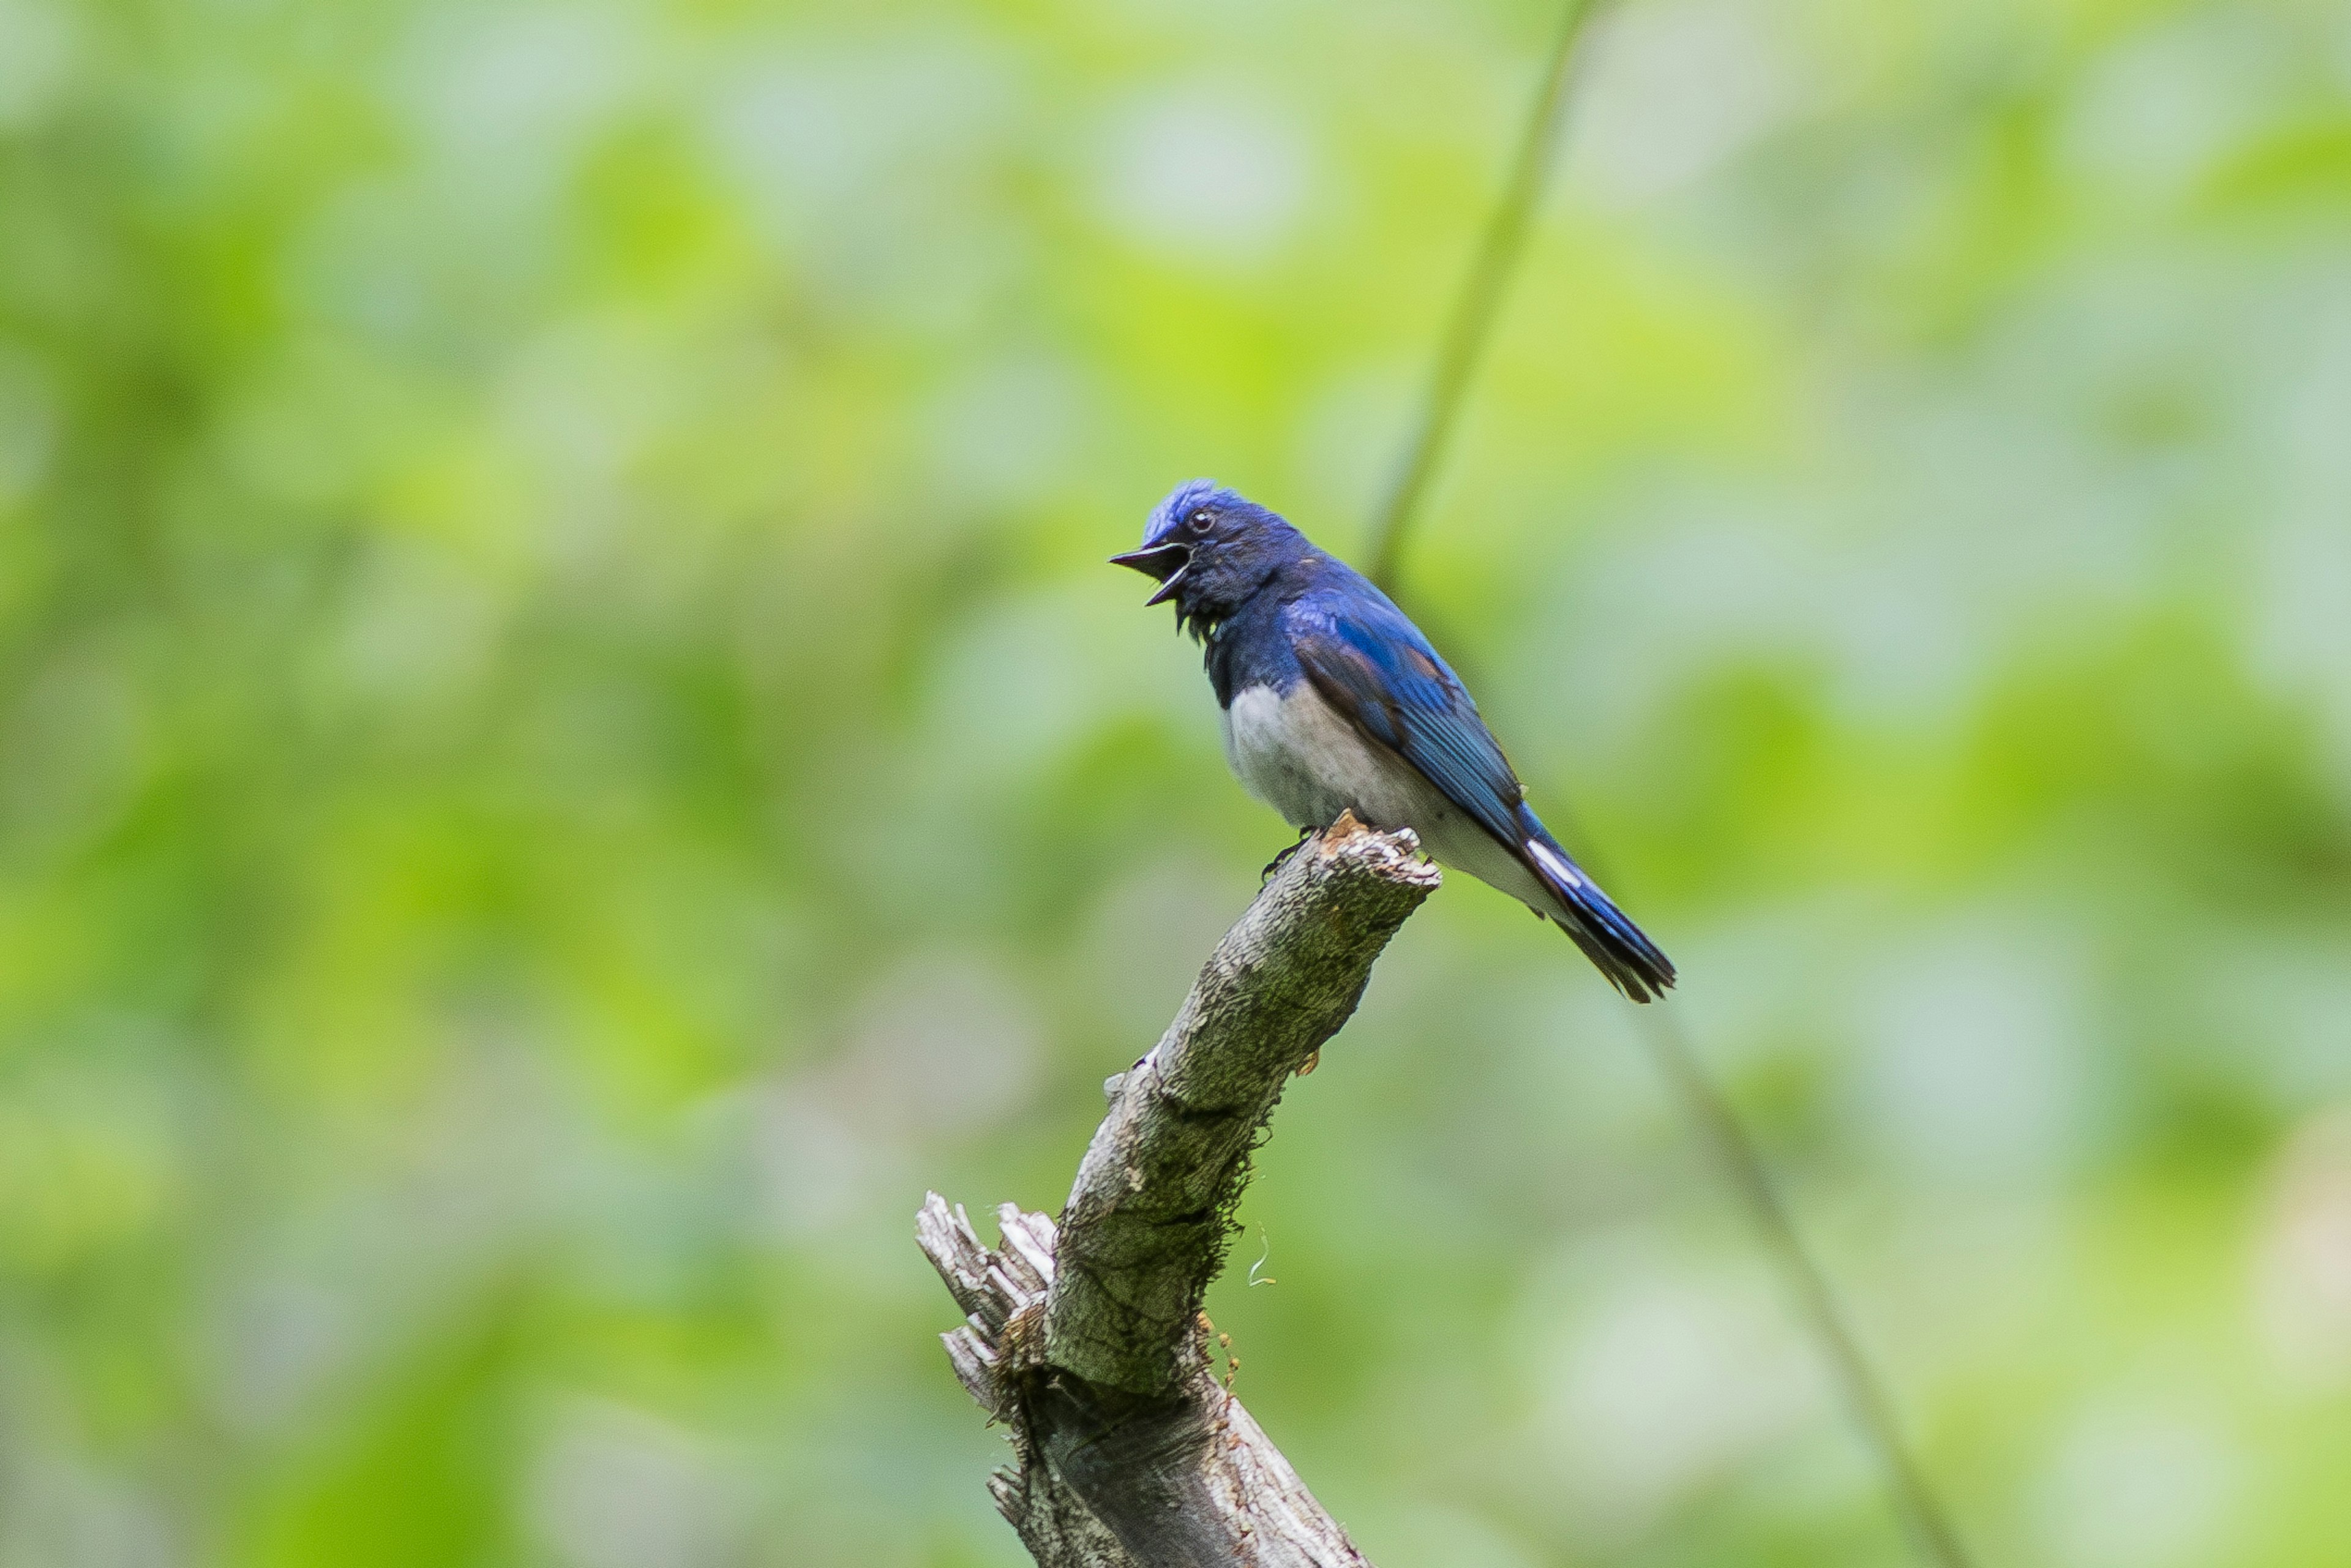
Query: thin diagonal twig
(1867, 1398)
(1866, 1394)
(1475, 313)
(1479, 303)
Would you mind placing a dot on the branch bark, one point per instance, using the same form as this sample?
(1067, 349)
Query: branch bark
(1086, 1339)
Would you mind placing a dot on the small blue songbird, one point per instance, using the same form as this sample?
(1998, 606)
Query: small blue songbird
(1334, 701)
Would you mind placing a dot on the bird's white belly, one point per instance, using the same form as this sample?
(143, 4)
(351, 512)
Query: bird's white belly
(1298, 755)
(1295, 753)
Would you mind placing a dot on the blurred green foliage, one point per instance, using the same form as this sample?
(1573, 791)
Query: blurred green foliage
(566, 749)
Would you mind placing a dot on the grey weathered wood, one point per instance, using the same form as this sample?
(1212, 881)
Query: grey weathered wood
(1086, 1339)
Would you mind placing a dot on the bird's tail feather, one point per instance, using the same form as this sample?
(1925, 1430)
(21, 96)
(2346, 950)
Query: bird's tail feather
(1607, 935)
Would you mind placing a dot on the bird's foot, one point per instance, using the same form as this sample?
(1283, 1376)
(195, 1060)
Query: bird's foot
(1278, 862)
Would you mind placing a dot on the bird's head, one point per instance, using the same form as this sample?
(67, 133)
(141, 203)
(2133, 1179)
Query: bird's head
(1210, 550)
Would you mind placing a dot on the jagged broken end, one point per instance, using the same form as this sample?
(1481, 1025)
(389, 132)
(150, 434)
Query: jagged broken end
(1390, 854)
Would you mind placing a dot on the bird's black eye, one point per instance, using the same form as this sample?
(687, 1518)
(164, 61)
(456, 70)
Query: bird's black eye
(1201, 521)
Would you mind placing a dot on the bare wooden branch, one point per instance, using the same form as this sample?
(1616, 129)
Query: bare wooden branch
(1086, 1340)
(1145, 1226)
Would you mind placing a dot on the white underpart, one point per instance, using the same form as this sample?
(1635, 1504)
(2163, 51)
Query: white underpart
(1296, 754)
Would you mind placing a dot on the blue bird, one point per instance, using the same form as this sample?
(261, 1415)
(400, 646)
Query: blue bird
(1332, 701)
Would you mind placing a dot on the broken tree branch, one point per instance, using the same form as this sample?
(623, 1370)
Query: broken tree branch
(1086, 1339)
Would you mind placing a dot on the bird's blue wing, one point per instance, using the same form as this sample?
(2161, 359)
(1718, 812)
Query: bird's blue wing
(1371, 663)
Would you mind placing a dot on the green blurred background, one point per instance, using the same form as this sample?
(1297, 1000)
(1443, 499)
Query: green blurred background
(567, 749)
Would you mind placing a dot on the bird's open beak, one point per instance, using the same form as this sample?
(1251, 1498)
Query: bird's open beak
(1167, 562)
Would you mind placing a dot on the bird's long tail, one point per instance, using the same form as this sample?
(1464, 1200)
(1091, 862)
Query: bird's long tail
(1607, 935)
